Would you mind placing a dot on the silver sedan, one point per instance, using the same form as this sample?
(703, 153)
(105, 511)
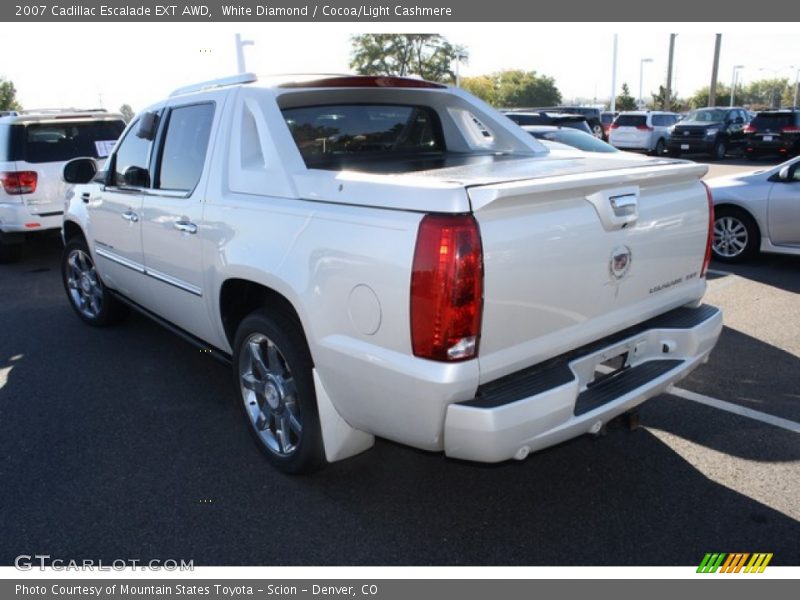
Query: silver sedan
(759, 210)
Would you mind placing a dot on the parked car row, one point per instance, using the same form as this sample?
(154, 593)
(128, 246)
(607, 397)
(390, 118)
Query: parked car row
(756, 211)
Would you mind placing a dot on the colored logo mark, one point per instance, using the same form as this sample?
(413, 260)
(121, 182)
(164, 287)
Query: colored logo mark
(735, 562)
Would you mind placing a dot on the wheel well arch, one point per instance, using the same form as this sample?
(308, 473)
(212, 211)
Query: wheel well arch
(239, 297)
(732, 206)
(72, 230)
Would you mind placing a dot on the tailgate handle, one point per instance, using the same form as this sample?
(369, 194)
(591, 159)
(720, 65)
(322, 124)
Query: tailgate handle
(617, 208)
(624, 205)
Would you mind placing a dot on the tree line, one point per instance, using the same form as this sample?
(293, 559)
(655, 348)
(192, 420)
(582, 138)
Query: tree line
(432, 56)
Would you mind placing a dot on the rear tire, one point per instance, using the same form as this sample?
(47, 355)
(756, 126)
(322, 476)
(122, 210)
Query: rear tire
(736, 235)
(88, 296)
(661, 147)
(597, 131)
(273, 375)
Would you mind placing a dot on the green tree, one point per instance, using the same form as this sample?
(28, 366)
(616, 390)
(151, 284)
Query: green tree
(526, 88)
(514, 89)
(625, 101)
(482, 86)
(127, 112)
(8, 95)
(659, 99)
(427, 55)
(723, 98)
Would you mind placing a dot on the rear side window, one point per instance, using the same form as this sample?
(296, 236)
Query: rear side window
(663, 120)
(185, 145)
(360, 131)
(773, 121)
(60, 141)
(631, 120)
(133, 151)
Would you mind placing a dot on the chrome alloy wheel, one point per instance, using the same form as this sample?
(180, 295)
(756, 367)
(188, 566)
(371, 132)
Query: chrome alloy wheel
(730, 237)
(85, 289)
(270, 395)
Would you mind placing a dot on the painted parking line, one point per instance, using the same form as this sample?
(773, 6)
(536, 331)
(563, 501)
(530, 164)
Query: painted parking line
(736, 409)
(718, 272)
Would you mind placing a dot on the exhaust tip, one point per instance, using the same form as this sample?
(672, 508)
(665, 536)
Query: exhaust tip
(522, 453)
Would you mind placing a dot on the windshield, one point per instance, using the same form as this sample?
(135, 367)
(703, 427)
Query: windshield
(576, 139)
(706, 116)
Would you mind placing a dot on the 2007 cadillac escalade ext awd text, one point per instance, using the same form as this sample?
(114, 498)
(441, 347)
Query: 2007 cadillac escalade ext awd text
(393, 257)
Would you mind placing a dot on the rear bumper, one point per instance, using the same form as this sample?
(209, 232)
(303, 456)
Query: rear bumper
(18, 217)
(550, 403)
(779, 145)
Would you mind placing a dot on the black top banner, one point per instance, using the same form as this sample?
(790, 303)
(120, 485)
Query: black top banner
(400, 11)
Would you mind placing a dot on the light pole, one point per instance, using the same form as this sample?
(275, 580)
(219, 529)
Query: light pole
(772, 85)
(613, 104)
(459, 57)
(240, 44)
(734, 79)
(641, 78)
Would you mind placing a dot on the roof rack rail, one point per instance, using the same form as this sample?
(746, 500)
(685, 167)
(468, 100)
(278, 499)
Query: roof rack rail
(38, 111)
(215, 83)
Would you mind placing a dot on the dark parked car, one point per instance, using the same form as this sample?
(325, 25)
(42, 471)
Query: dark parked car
(773, 132)
(542, 117)
(569, 136)
(593, 117)
(714, 131)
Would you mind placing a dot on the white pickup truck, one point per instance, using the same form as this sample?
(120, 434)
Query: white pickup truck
(391, 257)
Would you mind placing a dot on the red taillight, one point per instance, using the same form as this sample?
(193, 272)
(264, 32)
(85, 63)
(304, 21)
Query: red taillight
(710, 237)
(790, 129)
(749, 129)
(19, 182)
(644, 128)
(614, 126)
(447, 288)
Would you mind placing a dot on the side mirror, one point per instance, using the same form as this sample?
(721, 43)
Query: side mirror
(79, 170)
(136, 177)
(148, 125)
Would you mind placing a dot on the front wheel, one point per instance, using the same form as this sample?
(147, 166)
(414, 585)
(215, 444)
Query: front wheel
(274, 381)
(86, 292)
(736, 235)
(597, 131)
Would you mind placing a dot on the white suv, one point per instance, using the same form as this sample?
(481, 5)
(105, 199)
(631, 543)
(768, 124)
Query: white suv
(646, 131)
(34, 146)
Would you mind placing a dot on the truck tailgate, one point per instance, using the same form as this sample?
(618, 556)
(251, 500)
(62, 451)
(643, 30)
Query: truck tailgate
(572, 258)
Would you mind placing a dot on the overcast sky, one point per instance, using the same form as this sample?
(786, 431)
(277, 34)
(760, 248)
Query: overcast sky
(108, 64)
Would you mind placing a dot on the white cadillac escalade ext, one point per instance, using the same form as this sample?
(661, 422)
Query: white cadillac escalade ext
(393, 257)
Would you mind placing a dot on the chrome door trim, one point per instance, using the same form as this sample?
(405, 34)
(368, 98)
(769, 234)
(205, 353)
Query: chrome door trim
(119, 260)
(173, 281)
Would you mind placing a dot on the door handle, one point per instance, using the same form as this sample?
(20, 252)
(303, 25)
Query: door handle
(185, 226)
(131, 216)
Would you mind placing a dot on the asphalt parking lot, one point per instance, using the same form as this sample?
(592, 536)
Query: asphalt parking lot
(127, 443)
